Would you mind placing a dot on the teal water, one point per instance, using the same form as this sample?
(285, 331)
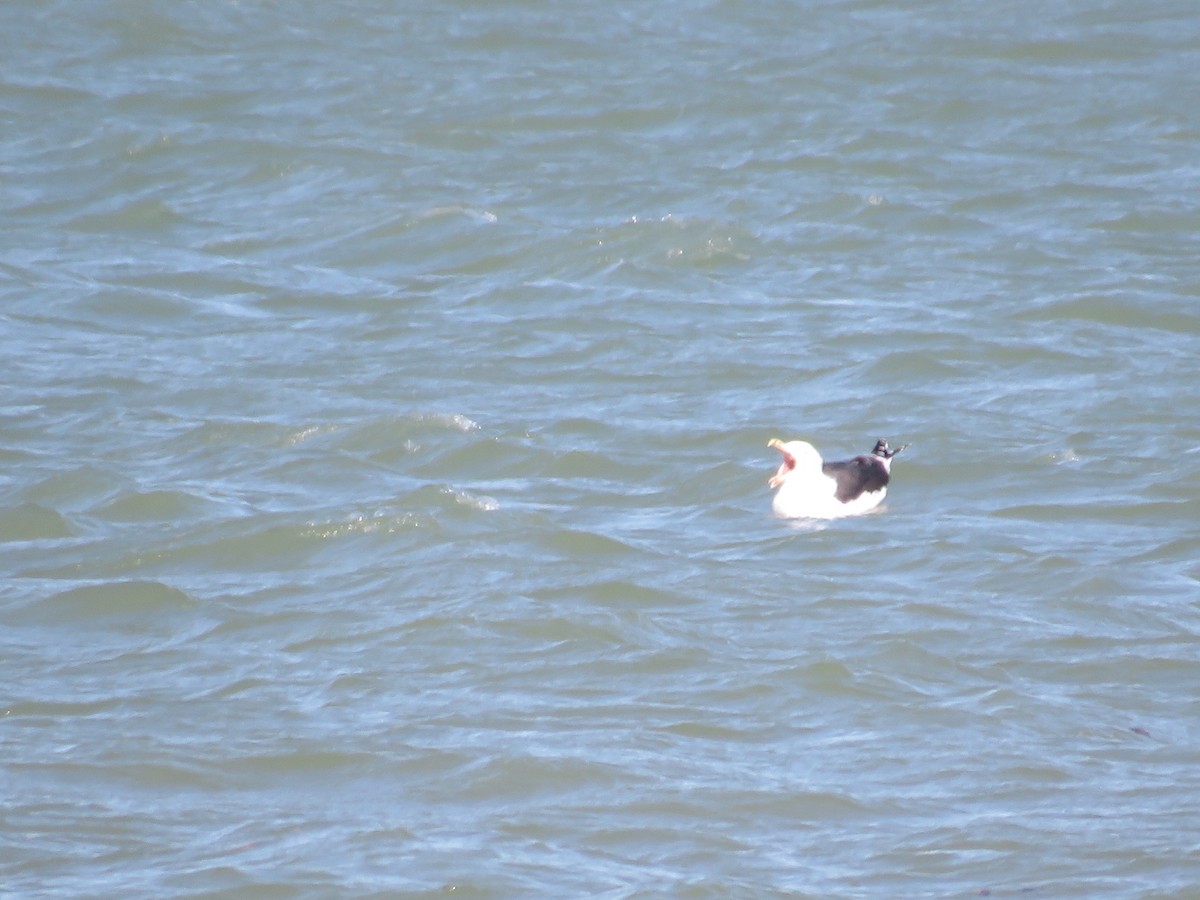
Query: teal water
(386, 391)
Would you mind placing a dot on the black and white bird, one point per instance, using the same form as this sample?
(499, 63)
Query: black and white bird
(810, 488)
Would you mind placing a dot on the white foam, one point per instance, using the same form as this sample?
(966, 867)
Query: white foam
(482, 503)
(456, 421)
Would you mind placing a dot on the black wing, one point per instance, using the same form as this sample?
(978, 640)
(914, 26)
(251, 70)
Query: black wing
(857, 476)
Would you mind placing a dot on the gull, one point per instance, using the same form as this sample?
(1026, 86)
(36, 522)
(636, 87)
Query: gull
(810, 488)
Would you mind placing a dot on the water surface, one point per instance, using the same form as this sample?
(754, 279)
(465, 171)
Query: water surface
(386, 392)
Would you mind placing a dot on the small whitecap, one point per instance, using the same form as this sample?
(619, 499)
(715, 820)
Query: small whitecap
(481, 503)
(303, 434)
(463, 423)
(453, 420)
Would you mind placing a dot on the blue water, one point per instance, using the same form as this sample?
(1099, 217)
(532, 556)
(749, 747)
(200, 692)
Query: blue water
(386, 391)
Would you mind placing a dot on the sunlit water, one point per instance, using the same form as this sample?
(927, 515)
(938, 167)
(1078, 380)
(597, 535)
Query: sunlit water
(386, 392)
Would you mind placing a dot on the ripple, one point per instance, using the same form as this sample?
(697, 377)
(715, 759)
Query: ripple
(33, 522)
(153, 506)
(134, 605)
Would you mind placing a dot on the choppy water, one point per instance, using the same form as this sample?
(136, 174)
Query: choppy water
(385, 397)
